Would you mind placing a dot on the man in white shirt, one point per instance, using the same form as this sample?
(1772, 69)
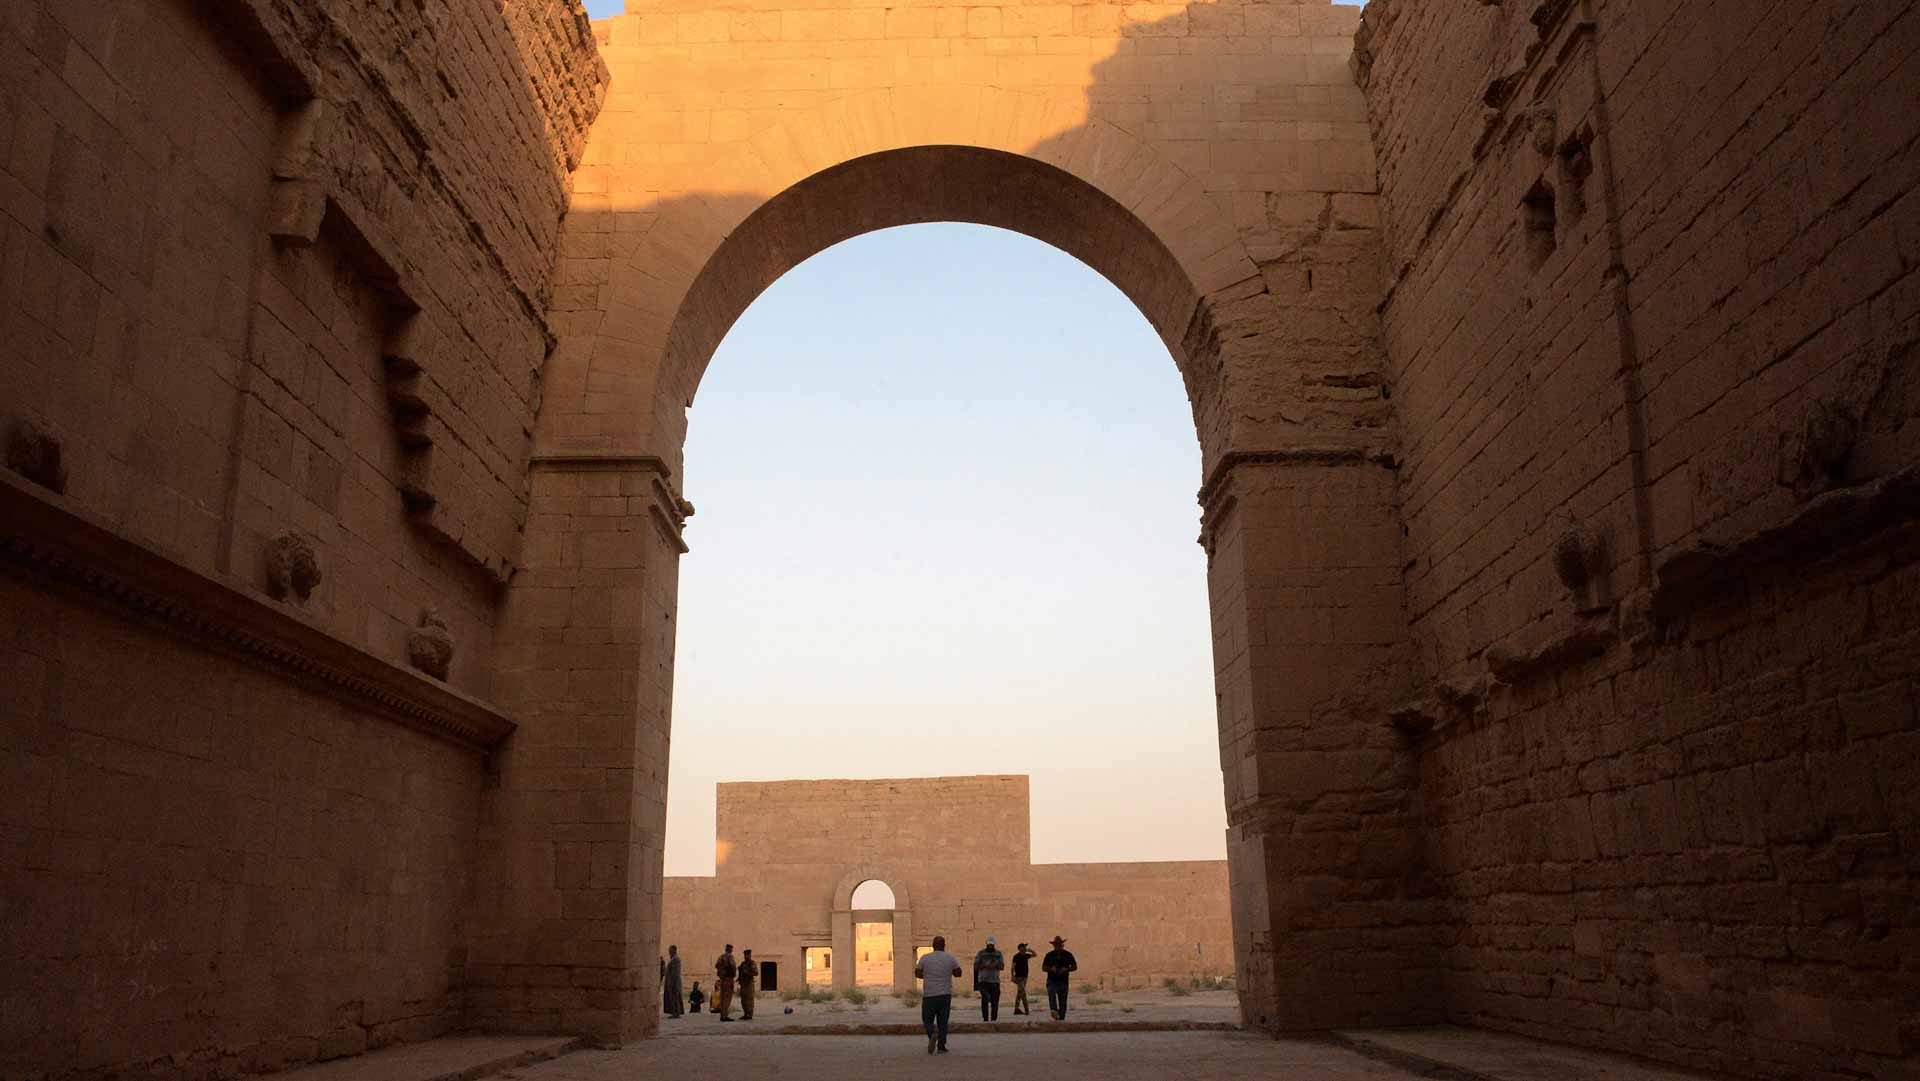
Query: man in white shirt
(936, 972)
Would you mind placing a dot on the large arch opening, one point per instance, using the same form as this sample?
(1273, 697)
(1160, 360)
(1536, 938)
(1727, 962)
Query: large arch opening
(1057, 221)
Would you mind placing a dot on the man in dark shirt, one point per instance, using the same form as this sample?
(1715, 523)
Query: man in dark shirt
(986, 979)
(1021, 957)
(749, 983)
(723, 974)
(1057, 964)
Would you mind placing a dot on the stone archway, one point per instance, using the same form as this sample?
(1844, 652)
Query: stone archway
(844, 945)
(1257, 264)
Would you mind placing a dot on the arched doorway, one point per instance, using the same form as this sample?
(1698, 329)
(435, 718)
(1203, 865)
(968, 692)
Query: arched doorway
(1297, 517)
(873, 941)
(872, 925)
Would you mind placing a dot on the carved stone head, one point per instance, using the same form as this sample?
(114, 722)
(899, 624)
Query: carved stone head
(34, 450)
(1813, 450)
(1542, 128)
(292, 567)
(1570, 555)
(1580, 562)
(430, 645)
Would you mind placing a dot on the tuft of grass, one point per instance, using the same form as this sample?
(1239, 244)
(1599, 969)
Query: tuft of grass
(1177, 991)
(909, 997)
(1096, 1000)
(854, 995)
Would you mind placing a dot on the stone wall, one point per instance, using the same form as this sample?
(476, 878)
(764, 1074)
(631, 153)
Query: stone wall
(275, 278)
(957, 820)
(212, 870)
(955, 852)
(1650, 326)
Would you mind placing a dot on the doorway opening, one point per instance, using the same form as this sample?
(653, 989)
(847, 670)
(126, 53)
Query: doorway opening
(873, 945)
(819, 965)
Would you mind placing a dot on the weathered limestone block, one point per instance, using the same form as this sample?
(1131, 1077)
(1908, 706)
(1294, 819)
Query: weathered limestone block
(36, 451)
(295, 212)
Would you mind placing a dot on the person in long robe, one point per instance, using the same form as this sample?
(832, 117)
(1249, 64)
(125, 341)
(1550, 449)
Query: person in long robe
(670, 984)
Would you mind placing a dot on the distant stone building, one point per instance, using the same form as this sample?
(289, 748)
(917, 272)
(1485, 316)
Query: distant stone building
(955, 853)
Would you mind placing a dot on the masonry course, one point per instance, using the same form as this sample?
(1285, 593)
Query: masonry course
(1552, 370)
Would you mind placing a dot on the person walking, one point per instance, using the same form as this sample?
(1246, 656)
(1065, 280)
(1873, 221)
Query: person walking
(670, 986)
(749, 983)
(987, 965)
(1022, 956)
(696, 997)
(1057, 964)
(936, 972)
(723, 973)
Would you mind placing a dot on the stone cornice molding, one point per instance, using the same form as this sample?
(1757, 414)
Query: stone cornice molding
(667, 508)
(609, 461)
(1216, 496)
(46, 539)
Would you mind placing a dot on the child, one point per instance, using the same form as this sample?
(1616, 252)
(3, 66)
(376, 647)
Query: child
(695, 997)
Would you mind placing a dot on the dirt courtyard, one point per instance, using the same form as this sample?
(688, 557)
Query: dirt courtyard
(1110, 1056)
(1155, 1006)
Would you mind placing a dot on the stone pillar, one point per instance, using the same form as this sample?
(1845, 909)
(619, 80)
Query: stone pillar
(1331, 915)
(566, 914)
(845, 962)
(903, 947)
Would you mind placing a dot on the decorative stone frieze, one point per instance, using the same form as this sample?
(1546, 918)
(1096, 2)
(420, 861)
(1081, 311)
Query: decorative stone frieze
(52, 542)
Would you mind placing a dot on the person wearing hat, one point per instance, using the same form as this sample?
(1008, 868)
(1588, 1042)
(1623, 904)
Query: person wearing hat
(1022, 956)
(1057, 964)
(986, 979)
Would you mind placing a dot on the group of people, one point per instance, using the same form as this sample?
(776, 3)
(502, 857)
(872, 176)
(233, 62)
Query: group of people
(935, 970)
(729, 975)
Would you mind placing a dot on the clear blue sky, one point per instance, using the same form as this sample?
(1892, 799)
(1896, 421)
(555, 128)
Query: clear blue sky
(945, 478)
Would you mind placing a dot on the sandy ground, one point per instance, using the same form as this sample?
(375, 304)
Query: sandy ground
(1098, 1008)
(1105, 1056)
(1063, 1054)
